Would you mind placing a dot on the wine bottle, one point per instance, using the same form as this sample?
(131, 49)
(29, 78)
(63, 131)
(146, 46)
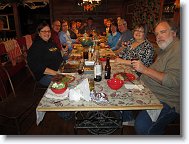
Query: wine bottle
(97, 70)
(107, 69)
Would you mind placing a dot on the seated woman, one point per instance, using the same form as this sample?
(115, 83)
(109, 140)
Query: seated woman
(138, 47)
(44, 58)
(73, 30)
(114, 36)
(65, 38)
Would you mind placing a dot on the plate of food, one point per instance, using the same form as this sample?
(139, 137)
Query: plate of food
(124, 76)
(63, 78)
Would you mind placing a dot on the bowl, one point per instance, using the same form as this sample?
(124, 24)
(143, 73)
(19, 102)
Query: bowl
(57, 90)
(115, 84)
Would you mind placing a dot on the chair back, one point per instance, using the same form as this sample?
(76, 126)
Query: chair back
(6, 86)
(37, 85)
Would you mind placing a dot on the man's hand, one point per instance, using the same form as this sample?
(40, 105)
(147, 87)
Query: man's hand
(138, 66)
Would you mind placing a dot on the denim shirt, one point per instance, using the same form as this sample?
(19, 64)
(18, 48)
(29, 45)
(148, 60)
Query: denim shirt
(65, 38)
(113, 39)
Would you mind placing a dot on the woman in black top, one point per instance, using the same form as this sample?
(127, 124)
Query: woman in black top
(44, 58)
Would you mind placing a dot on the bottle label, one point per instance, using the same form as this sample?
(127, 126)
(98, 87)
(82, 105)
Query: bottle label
(94, 71)
(98, 70)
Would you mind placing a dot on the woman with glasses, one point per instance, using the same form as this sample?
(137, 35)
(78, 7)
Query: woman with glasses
(44, 58)
(137, 48)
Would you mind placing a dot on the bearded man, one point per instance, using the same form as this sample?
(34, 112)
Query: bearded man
(163, 79)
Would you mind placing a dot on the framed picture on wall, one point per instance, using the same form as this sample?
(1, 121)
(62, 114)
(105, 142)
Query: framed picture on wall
(5, 22)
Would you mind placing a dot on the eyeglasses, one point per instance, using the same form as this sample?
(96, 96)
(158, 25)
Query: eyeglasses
(46, 31)
(64, 25)
(138, 31)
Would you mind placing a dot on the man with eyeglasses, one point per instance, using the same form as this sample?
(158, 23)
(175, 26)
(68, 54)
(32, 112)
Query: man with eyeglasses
(54, 33)
(163, 79)
(64, 36)
(56, 25)
(126, 35)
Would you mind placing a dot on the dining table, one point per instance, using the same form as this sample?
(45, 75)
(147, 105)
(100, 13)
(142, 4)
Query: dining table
(100, 117)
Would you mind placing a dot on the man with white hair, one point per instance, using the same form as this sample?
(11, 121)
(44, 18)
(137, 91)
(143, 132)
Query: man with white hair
(126, 35)
(163, 79)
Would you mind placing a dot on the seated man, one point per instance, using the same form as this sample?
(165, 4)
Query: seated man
(114, 36)
(126, 35)
(89, 27)
(64, 36)
(55, 38)
(163, 79)
(54, 33)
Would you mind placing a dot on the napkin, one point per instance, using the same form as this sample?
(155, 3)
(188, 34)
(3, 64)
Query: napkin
(133, 86)
(154, 114)
(74, 95)
(51, 94)
(80, 91)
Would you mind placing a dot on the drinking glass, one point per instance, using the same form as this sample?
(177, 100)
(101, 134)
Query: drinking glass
(134, 57)
(81, 69)
(85, 55)
(124, 43)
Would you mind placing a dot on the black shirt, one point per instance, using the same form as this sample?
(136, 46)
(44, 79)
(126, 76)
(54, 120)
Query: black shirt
(43, 55)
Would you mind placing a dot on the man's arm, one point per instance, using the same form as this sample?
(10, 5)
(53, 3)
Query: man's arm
(119, 50)
(156, 75)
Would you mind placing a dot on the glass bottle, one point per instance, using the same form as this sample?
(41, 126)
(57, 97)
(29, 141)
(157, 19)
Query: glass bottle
(85, 35)
(107, 69)
(81, 67)
(97, 70)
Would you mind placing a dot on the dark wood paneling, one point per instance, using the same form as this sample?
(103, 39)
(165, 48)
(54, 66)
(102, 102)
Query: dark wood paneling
(68, 9)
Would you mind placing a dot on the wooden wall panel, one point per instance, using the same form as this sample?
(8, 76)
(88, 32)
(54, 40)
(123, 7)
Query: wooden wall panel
(68, 9)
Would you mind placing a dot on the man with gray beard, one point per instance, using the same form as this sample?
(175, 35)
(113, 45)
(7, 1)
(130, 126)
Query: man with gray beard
(163, 79)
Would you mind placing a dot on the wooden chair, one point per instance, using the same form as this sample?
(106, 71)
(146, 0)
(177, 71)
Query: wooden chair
(17, 106)
(37, 86)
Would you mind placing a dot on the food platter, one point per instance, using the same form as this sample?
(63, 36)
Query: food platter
(124, 76)
(63, 78)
